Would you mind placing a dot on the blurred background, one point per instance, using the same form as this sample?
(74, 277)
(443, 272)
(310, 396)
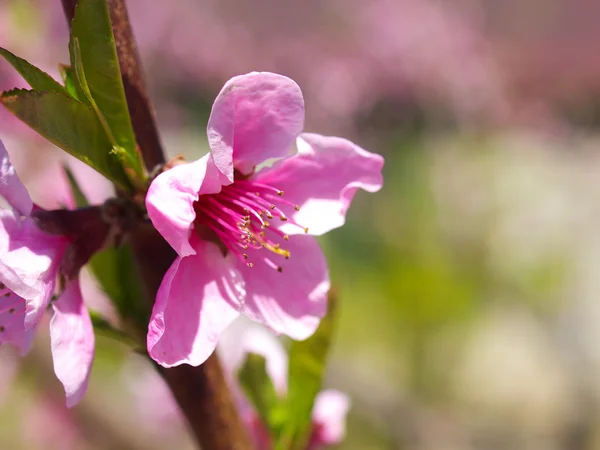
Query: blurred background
(469, 286)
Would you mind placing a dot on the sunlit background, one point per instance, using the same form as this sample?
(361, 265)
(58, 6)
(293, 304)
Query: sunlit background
(469, 286)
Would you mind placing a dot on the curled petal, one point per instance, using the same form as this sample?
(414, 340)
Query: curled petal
(72, 341)
(329, 418)
(171, 196)
(255, 117)
(11, 187)
(29, 262)
(198, 298)
(294, 300)
(322, 180)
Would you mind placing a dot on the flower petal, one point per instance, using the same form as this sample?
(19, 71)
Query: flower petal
(291, 302)
(11, 187)
(255, 117)
(322, 180)
(12, 321)
(329, 418)
(29, 261)
(171, 196)
(72, 341)
(198, 299)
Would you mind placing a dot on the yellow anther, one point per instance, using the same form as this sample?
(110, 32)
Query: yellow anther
(282, 218)
(280, 193)
(278, 250)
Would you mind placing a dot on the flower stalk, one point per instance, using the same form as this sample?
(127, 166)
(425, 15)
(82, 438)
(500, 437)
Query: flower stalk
(201, 392)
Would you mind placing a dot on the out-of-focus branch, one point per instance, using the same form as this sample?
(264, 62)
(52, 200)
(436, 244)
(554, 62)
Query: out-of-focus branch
(201, 392)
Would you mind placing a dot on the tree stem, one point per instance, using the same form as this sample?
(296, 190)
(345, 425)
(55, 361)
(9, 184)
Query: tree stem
(201, 392)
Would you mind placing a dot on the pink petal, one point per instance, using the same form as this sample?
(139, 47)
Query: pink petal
(11, 187)
(29, 261)
(329, 417)
(255, 117)
(170, 200)
(291, 302)
(198, 299)
(72, 341)
(322, 179)
(12, 321)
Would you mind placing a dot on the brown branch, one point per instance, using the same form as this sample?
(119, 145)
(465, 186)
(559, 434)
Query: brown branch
(201, 392)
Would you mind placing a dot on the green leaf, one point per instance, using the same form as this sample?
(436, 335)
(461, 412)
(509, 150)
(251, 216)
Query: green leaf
(37, 78)
(117, 274)
(66, 72)
(305, 376)
(70, 125)
(80, 200)
(259, 389)
(92, 47)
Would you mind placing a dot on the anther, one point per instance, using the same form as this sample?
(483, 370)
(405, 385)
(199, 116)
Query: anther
(269, 215)
(245, 255)
(257, 194)
(250, 265)
(279, 269)
(306, 230)
(280, 193)
(282, 218)
(296, 207)
(11, 310)
(286, 237)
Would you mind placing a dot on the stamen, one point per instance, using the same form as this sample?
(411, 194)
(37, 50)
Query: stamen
(236, 216)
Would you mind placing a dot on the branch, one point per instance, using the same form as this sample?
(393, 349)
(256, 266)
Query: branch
(201, 392)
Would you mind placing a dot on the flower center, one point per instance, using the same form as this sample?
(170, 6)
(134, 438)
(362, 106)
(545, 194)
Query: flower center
(239, 215)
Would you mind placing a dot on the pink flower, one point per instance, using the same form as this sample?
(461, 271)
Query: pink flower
(239, 232)
(29, 266)
(329, 419)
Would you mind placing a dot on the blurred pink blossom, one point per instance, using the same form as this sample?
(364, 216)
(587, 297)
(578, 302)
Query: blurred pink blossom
(330, 408)
(29, 265)
(48, 426)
